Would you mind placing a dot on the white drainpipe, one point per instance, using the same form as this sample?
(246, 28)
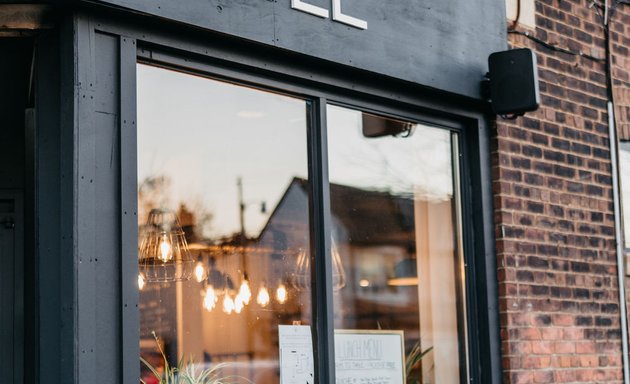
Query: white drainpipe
(619, 243)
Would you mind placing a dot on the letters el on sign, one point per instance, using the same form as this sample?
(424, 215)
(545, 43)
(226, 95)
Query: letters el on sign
(323, 13)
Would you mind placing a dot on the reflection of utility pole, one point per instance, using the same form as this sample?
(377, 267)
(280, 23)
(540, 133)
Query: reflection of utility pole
(241, 212)
(241, 206)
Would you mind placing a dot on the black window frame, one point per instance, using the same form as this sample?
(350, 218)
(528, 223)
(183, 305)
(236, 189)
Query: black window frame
(213, 55)
(319, 197)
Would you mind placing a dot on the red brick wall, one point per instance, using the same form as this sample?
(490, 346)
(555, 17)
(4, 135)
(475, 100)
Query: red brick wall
(553, 207)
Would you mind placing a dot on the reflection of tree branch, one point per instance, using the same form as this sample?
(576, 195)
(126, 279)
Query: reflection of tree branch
(154, 192)
(203, 216)
(372, 159)
(422, 170)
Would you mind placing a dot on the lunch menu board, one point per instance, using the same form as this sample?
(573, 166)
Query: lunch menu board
(361, 356)
(369, 357)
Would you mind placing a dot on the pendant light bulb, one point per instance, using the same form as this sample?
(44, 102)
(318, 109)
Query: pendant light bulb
(245, 292)
(141, 281)
(166, 250)
(281, 294)
(263, 296)
(200, 272)
(210, 299)
(238, 304)
(228, 303)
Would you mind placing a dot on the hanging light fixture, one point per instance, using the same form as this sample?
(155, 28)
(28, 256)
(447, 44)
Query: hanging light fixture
(164, 254)
(200, 270)
(281, 294)
(219, 283)
(228, 303)
(238, 304)
(263, 296)
(220, 280)
(210, 298)
(245, 292)
(302, 275)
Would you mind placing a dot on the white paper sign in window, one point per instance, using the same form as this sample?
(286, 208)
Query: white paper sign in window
(375, 357)
(296, 354)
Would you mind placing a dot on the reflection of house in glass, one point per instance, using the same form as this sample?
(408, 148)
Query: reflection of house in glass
(380, 237)
(374, 232)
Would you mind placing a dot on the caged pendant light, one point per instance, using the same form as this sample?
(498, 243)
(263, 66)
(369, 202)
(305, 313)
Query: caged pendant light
(302, 274)
(164, 254)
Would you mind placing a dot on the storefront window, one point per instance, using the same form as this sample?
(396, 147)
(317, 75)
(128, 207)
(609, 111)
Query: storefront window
(395, 220)
(223, 220)
(224, 238)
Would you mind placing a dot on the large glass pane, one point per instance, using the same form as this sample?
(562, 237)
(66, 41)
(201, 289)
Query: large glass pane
(223, 220)
(393, 191)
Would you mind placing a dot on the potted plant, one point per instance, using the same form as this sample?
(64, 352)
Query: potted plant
(413, 361)
(187, 372)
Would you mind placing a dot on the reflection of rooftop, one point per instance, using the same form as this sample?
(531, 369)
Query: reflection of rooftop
(366, 217)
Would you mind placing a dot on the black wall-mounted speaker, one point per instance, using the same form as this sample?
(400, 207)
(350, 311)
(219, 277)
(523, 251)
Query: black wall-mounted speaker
(513, 81)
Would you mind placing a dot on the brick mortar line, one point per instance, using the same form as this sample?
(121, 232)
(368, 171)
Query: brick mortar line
(553, 136)
(602, 185)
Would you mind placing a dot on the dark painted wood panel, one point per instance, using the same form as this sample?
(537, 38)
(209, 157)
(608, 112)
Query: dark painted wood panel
(439, 44)
(253, 19)
(84, 174)
(98, 206)
(107, 252)
(130, 332)
(55, 251)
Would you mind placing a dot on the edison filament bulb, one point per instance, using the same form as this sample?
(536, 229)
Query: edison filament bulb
(281, 294)
(166, 251)
(263, 297)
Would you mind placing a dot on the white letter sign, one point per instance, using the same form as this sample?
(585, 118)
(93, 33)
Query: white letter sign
(340, 17)
(323, 13)
(309, 8)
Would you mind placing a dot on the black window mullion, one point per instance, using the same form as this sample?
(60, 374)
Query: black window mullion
(320, 243)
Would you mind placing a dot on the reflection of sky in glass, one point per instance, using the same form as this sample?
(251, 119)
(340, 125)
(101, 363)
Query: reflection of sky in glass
(400, 165)
(203, 134)
(624, 170)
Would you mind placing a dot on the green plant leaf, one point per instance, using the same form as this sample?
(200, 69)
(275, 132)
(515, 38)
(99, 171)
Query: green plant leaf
(189, 373)
(413, 359)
